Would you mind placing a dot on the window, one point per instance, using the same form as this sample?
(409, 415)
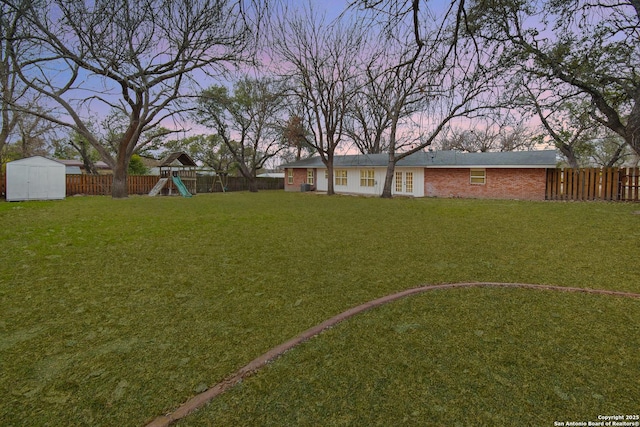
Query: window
(398, 182)
(367, 178)
(341, 177)
(478, 176)
(310, 177)
(290, 176)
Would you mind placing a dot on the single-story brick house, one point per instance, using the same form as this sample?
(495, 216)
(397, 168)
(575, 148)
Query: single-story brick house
(504, 175)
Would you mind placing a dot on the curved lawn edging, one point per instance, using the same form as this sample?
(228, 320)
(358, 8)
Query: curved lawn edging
(203, 398)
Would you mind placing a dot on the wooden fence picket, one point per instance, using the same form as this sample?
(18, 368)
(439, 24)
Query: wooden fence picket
(630, 183)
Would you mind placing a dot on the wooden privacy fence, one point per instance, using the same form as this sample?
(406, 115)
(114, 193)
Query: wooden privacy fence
(211, 184)
(613, 184)
(99, 185)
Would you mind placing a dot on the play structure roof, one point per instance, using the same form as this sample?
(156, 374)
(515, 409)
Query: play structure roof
(179, 156)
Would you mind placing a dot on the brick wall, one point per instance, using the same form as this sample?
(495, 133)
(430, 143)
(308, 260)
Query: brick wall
(527, 184)
(299, 177)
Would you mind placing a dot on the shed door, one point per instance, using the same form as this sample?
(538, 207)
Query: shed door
(18, 184)
(38, 182)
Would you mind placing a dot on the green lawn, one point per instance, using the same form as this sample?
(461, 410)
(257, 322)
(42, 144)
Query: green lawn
(115, 312)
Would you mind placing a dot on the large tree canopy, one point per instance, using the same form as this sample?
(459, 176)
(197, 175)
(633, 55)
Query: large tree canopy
(576, 49)
(134, 57)
(248, 121)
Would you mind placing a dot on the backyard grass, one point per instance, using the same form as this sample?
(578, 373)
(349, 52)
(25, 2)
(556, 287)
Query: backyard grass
(113, 312)
(467, 357)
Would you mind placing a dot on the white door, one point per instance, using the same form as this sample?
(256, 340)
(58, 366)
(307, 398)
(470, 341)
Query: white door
(404, 183)
(38, 183)
(17, 182)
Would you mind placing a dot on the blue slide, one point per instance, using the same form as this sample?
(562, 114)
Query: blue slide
(181, 187)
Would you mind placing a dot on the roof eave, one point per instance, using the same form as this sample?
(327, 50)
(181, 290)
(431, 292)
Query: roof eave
(480, 166)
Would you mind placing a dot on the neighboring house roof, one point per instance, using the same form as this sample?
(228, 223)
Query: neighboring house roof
(440, 159)
(150, 162)
(271, 175)
(183, 158)
(73, 170)
(74, 162)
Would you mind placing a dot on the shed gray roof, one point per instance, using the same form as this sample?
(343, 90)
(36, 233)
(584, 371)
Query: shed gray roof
(36, 160)
(440, 159)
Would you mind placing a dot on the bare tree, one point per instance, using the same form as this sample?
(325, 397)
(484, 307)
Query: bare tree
(487, 137)
(33, 133)
(407, 88)
(441, 73)
(12, 92)
(132, 56)
(609, 150)
(115, 124)
(392, 90)
(368, 118)
(248, 122)
(320, 60)
(564, 118)
(459, 94)
(295, 136)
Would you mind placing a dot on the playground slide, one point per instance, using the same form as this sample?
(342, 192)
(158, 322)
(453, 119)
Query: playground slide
(181, 187)
(159, 186)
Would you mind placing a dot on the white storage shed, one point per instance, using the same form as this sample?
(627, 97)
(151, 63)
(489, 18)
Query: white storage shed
(36, 178)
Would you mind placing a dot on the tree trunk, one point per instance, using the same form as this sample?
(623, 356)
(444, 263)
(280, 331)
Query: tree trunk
(632, 131)
(253, 184)
(249, 175)
(616, 156)
(89, 166)
(330, 189)
(391, 164)
(388, 178)
(568, 152)
(119, 188)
